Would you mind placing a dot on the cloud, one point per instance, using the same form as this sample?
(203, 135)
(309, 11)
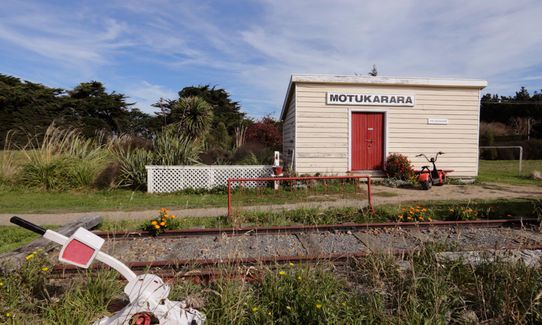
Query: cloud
(146, 94)
(75, 38)
(251, 48)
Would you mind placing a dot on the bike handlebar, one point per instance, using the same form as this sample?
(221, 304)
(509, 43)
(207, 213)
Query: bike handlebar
(429, 160)
(27, 225)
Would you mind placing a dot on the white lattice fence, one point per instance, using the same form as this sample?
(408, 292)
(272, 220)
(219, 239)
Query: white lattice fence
(161, 179)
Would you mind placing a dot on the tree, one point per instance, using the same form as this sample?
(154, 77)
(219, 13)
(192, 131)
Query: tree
(193, 116)
(28, 108)
(224, 108)
(95, 109)
(522, 95)
(266, 132)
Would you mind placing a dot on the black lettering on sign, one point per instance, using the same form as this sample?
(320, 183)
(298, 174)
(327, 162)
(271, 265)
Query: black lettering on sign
(333, 97)
(342, 98)
(409, 100)
(384, 99)
(376, 99)
(393, 100)
(367, 98)
(400, 100)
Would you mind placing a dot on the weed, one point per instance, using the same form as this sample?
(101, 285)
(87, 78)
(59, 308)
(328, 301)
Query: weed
(461, 213)
(415, 214)
(161, 223)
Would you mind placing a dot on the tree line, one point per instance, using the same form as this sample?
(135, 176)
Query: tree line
(228, 134)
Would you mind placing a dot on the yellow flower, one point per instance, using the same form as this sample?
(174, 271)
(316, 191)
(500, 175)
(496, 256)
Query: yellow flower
(157, 226)
(163, 223)
(29, 257)
(154, 222)
(299, 277)
(318, 306)
(9, 314)
(269, 313)
(282, 273)
(254, 309)
(45, 269)
(291, 264)
(288, 307)
(1, 284)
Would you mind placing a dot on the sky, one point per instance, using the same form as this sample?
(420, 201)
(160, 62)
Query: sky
(148, 49)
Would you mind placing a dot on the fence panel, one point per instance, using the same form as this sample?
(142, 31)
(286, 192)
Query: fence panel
(163, 179)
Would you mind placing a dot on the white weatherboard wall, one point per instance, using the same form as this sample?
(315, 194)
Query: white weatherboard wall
(163, 179)
(445, 117)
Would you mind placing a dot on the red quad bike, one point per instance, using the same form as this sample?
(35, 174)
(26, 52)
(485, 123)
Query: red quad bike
(427, 177)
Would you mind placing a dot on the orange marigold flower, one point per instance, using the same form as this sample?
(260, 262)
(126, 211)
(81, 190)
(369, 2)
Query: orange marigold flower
(163, 223)
(154, 222)
(157, 226)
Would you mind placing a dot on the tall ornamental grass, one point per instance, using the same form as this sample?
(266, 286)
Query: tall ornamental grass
(62, 160)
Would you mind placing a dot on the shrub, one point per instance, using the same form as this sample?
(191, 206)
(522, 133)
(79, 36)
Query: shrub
(462, 214)
(161, 223)
(63, 160)
(132, 168)
(398, 166)
(415, 214)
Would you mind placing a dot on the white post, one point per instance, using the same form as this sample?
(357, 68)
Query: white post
(150, 179)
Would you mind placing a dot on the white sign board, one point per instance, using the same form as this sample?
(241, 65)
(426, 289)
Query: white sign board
(369, 99)
(438, 121)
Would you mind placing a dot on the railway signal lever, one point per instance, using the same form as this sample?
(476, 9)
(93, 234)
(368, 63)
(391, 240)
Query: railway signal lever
(147, 292)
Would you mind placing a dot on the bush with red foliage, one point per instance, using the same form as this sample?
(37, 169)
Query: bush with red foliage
(398, 166)
(266, 132)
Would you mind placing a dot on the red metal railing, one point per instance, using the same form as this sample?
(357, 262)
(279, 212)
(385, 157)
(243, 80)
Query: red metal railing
(292, 179)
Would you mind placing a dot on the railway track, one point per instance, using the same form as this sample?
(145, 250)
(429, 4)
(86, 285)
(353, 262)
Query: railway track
(205, 253)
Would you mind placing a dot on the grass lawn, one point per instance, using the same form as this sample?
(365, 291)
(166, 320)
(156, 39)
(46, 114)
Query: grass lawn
(506, 171)
(14, 200)
(34, 201)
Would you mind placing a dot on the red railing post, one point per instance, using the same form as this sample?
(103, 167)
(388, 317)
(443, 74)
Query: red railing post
(369, 195)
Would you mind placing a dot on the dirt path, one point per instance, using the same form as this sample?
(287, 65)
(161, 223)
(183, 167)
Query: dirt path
(382, 195)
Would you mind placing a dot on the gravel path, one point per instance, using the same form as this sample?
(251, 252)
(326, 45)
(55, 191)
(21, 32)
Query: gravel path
(382, 195)
(373, 240)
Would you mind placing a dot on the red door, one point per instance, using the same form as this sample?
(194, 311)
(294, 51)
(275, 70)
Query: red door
(367, 141)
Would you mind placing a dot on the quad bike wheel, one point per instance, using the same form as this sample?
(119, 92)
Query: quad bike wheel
(426, 184)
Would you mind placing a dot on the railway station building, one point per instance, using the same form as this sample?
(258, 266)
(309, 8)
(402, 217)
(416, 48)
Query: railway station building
(336, 125)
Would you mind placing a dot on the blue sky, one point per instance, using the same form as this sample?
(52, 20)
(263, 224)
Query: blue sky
(149, 49)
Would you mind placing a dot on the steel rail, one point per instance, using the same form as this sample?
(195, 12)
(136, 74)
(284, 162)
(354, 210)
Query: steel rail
(210, 267)
(238, 231)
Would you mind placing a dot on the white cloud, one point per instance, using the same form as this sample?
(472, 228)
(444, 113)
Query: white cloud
(146, 94)
(253, 53)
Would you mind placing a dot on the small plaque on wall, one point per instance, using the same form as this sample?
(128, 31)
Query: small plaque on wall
(437, 121)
